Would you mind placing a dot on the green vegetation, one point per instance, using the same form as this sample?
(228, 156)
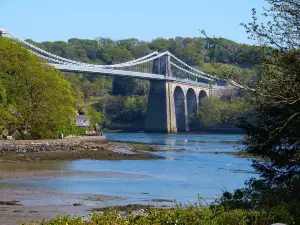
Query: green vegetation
(36, 102)
(122, 101)
(216, 112)
(272, 125)
(194, 215)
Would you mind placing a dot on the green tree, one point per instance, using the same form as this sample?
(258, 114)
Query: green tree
(210, 111)
(272, 127)
(96, 118)
(39, 103)
(217, 112)
(124, 86)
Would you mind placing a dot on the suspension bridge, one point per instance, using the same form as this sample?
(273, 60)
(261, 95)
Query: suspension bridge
(175, 87)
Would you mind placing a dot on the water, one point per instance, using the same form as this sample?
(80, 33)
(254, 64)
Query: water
(191, 142)
(191, 168)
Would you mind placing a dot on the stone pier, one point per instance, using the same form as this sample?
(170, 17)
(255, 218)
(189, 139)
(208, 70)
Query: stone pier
(171, 104)
(160, 116)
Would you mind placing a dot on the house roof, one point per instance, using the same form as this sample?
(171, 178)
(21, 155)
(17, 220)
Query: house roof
(81, 117)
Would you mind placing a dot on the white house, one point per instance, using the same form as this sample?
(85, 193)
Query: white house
(82, 121)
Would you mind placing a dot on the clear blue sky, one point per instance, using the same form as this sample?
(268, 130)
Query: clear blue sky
(51, 20)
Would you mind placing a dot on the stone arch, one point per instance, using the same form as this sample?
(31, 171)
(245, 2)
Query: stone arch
(202, 94)
(191, 100)
(179, 102)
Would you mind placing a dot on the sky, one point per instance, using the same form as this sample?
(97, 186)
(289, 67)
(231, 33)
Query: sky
(53, 20)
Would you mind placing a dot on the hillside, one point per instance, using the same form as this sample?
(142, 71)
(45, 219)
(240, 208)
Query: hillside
(123, 101)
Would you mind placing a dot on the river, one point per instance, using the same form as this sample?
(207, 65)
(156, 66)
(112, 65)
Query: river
(191, 167)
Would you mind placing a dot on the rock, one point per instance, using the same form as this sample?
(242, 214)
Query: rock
(9, 203)
(77, 204)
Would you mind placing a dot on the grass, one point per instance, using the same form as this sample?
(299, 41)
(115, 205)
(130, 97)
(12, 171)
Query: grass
(180, 215)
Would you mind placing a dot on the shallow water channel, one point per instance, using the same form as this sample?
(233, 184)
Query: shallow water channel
(191, 167)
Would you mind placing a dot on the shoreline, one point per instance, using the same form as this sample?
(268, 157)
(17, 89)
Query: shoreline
(97, 148)
(19, 204)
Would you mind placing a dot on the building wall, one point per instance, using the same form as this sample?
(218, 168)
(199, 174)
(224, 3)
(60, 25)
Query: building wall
(82, 123)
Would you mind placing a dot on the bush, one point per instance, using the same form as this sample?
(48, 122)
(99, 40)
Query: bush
(201, 215)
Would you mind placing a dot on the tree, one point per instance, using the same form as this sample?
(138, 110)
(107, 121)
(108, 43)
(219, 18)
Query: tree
(124, 86)
(38, 102)
(272, 127)
(96, 118)
(210, 111)
(216, 112)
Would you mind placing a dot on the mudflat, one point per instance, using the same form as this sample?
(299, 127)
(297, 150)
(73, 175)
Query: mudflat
(39, 159)
(31, 205)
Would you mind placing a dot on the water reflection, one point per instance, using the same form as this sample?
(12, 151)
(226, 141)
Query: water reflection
(190, 142)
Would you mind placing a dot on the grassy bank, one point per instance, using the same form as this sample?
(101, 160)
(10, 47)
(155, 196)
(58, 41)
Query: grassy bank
(202, 215)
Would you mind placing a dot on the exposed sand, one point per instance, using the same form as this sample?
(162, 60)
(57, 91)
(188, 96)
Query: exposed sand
(30, 204)
(45, 174)
(38, 204)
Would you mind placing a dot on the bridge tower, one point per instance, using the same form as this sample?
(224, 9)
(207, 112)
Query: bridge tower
(2, 33)
(161, 115)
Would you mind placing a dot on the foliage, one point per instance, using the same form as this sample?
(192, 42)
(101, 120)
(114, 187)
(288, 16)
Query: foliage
(272, 126)
(95, 117)
(78, 131)
(123, 109)
(35, 99)
(273, 134)
(124, 86)
(201, 215)
(214, 111)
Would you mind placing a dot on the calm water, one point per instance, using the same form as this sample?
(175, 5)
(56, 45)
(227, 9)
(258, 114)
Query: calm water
(190, 169)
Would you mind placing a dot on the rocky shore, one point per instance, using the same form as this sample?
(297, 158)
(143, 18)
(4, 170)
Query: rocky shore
(89, 147)
(47, 145)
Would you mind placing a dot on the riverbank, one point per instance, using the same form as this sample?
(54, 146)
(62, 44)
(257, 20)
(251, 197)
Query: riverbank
(72, 149)
(12, 212)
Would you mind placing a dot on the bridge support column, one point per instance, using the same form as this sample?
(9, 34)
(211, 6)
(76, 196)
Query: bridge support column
(160, 116)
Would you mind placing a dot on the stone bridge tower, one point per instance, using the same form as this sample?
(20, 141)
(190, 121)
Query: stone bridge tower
(171, 104)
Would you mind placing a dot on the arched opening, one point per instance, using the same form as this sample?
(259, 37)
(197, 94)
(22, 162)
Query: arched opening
(179, 109)
(191, 99)
(202, 94)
